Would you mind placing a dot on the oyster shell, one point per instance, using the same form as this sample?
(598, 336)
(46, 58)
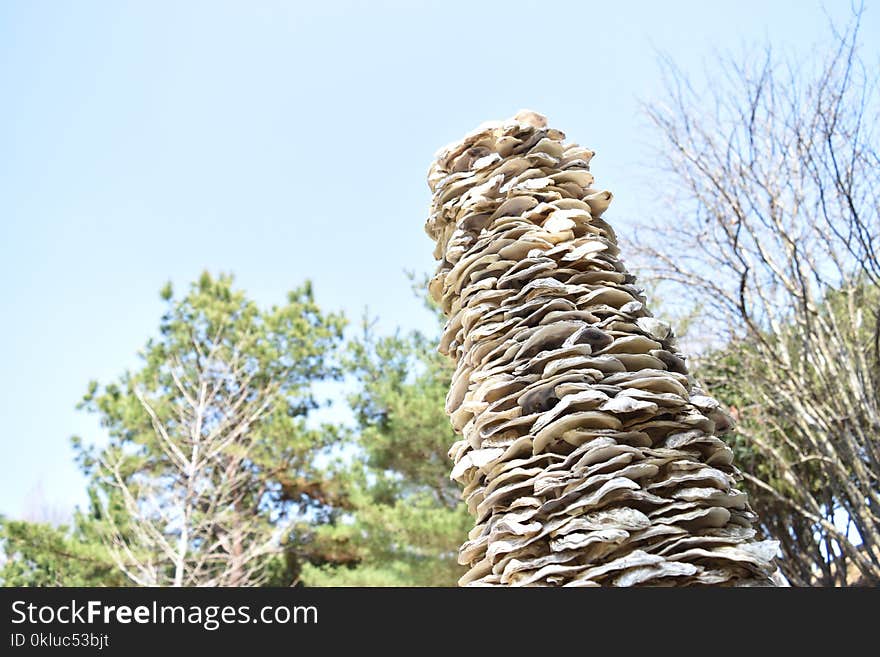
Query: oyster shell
(589, 457)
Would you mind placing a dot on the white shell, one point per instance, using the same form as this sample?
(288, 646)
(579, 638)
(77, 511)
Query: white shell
(588, 456)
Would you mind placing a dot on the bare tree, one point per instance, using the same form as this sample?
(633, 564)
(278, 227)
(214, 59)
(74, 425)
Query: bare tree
(39, 509)
(198, 524)
(773, 171)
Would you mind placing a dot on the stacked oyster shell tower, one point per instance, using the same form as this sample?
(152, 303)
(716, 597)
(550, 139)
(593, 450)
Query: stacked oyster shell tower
(588, 455)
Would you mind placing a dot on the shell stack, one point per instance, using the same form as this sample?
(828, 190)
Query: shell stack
(589, 456)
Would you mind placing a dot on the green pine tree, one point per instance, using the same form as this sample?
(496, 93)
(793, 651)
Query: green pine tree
(210, 474)
(406, 519)
(40, 554)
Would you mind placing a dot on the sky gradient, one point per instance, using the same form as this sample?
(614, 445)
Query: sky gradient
(142, 142)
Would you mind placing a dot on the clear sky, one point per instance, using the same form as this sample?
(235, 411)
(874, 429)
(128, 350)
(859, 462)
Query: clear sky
(142, 142)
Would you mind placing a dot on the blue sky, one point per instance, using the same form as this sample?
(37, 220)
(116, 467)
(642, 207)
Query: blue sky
(146, 141)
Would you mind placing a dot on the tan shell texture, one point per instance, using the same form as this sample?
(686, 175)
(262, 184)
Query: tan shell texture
(588, 455)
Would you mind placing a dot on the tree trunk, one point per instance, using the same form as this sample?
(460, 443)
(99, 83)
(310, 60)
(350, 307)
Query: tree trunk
(588, 456)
